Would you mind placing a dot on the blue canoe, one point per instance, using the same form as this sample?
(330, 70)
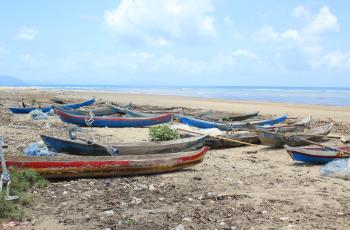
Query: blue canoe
(109, 121)
(48, 108)
(228, 126)
(316, 155)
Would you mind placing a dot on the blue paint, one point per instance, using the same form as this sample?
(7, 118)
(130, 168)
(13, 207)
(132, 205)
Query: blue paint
(309, 159)
(48, 108)
(110, 121)
(227, 126)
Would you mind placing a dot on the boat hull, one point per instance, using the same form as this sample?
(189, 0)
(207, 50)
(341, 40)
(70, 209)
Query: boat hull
(109, 121)
(136, 148)
(315, 155)
(227, 126)
(81, 167)
(48, 108)
(278, 140)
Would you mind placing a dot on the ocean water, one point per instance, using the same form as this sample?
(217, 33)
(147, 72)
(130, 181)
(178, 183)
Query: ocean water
(339, 96)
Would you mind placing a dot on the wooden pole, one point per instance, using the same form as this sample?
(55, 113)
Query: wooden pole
(218, 137)
(325, 146)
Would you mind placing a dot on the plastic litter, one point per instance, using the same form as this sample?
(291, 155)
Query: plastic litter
(38, 149)
(37, 114)
(51, 112)
(338, 168)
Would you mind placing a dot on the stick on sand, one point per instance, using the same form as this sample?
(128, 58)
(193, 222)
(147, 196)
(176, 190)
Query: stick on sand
(217, 137)
(325, 146)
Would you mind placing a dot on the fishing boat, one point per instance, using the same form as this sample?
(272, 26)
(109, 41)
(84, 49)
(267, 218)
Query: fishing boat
(277, 139)
(101, 111)
(107, 166)
(110, 121)
(225, 141)
(317, 155)
(199, 123)
(89, 148)
(46, 109)
(233, 117)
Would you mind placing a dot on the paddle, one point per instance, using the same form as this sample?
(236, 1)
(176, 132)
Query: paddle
(325, 146)
(217, 137)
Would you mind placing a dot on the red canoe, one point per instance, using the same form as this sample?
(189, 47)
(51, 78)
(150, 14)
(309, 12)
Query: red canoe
(107, 166)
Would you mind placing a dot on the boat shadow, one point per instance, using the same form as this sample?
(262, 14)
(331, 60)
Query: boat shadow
(57, 180)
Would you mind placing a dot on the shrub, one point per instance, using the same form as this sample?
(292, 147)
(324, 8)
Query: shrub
(163, 133)
(21, 182)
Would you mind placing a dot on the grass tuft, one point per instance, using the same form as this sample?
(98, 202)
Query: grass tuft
(21, 181)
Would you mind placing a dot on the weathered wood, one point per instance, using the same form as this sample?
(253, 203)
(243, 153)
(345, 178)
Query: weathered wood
(218, 137)
(104, 166)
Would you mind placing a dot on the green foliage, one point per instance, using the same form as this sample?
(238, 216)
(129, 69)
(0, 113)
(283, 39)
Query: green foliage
(21, 181)
(163, 133)
(129, 222)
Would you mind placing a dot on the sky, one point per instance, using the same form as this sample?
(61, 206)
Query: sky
(177, 42)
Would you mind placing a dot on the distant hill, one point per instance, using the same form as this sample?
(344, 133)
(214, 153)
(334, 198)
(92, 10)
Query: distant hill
(11, 81)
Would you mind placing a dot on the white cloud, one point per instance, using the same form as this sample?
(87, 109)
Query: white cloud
(322, 22)
(301, 12)
(301, 48)
(227, 20)
(246, 54)
(291, 34)
(266, 33)
(162, 22)
(334, 60)
(26, 33)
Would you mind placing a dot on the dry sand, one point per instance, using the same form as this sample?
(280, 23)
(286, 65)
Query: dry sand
(231, 189)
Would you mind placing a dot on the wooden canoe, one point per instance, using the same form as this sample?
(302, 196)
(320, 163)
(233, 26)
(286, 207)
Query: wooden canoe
(316, 155)
(46, 109)
(277, 139)
(107, 166)
(234, 117)
(110, 121)
(88, 148)
(228, 126)
(252, 136)
(100, 111)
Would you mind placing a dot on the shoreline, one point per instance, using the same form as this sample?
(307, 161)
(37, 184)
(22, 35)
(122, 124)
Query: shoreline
(251, 96)
(338, 113)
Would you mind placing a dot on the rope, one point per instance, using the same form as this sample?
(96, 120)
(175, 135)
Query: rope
(5, 176)
(90, 120)
(111, 150)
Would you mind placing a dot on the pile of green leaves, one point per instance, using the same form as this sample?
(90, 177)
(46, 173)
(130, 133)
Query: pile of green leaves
(21, 182)
(163, 133)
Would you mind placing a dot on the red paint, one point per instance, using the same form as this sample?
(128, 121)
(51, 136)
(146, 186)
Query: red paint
(92, 164)
(67, 164)
(201, 152)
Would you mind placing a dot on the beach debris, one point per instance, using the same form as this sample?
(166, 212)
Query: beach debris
(284, 218)
(38, 114)
(345, 139)
(187, 219)
(38, 149)
(251, 152)
(180, 227)
(136, 200)
(151, 187)
(12, 224)
(337, 168)
(109, 212)
(107, 183)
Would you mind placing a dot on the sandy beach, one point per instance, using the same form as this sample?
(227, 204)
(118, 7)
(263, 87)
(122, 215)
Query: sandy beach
(231, 189)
